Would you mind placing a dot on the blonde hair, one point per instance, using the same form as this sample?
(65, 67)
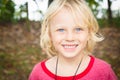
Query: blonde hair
(76, 6)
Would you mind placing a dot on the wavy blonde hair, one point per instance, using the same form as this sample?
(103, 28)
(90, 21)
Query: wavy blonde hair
(76, 7)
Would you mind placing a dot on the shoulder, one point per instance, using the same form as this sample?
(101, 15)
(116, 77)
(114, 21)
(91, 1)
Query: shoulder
(103, 69)
(41, 70)
(38, 65)
(101, 63)
(37, 71)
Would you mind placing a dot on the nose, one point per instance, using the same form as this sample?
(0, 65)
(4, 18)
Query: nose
(70, 36)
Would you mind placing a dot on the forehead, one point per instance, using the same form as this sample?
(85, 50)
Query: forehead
(67, 15)
(62, 16)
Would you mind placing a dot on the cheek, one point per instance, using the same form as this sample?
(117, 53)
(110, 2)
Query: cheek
(55, 39)
(83, 40)
(83, 37)
(57, 36)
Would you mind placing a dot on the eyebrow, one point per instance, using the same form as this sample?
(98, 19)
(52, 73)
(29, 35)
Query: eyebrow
(59, 25)
(76, 25)
(81, 26)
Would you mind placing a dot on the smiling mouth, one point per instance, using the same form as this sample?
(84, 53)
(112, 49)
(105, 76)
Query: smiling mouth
(70, 46)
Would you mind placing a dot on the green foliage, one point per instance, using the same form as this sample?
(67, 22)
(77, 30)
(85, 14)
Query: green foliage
(116, 21)
(6, 11)
(21, 13)
(104, 22)
(108, 18)
(93, 5)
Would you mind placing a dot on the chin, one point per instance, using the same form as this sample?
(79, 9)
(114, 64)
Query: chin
(70, 55)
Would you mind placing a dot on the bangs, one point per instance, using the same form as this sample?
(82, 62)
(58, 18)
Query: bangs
(79, 17)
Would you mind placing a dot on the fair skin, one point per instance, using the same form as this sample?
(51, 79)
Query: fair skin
(69, 40)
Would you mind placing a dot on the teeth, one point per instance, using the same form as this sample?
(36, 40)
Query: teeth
(69, 46)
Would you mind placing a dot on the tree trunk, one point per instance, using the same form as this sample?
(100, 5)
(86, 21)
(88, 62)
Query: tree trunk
(27, 19)
(109, 12)
(49, 2)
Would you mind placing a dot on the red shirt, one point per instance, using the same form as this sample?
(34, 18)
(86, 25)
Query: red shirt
(96, 70)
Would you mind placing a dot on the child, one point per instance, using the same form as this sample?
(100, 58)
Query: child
(69, 32)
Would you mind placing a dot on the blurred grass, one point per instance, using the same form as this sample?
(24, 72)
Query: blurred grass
(17, 63)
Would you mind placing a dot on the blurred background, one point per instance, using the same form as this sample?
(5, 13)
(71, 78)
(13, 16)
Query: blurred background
(20, 23)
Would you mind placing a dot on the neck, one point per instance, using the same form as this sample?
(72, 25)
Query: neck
(66, 66)
(70, 61)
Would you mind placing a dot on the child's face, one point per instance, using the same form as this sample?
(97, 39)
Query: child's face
(68, 38)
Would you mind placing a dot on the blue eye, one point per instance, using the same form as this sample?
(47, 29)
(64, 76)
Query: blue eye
(61, 30)
(78, 29)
